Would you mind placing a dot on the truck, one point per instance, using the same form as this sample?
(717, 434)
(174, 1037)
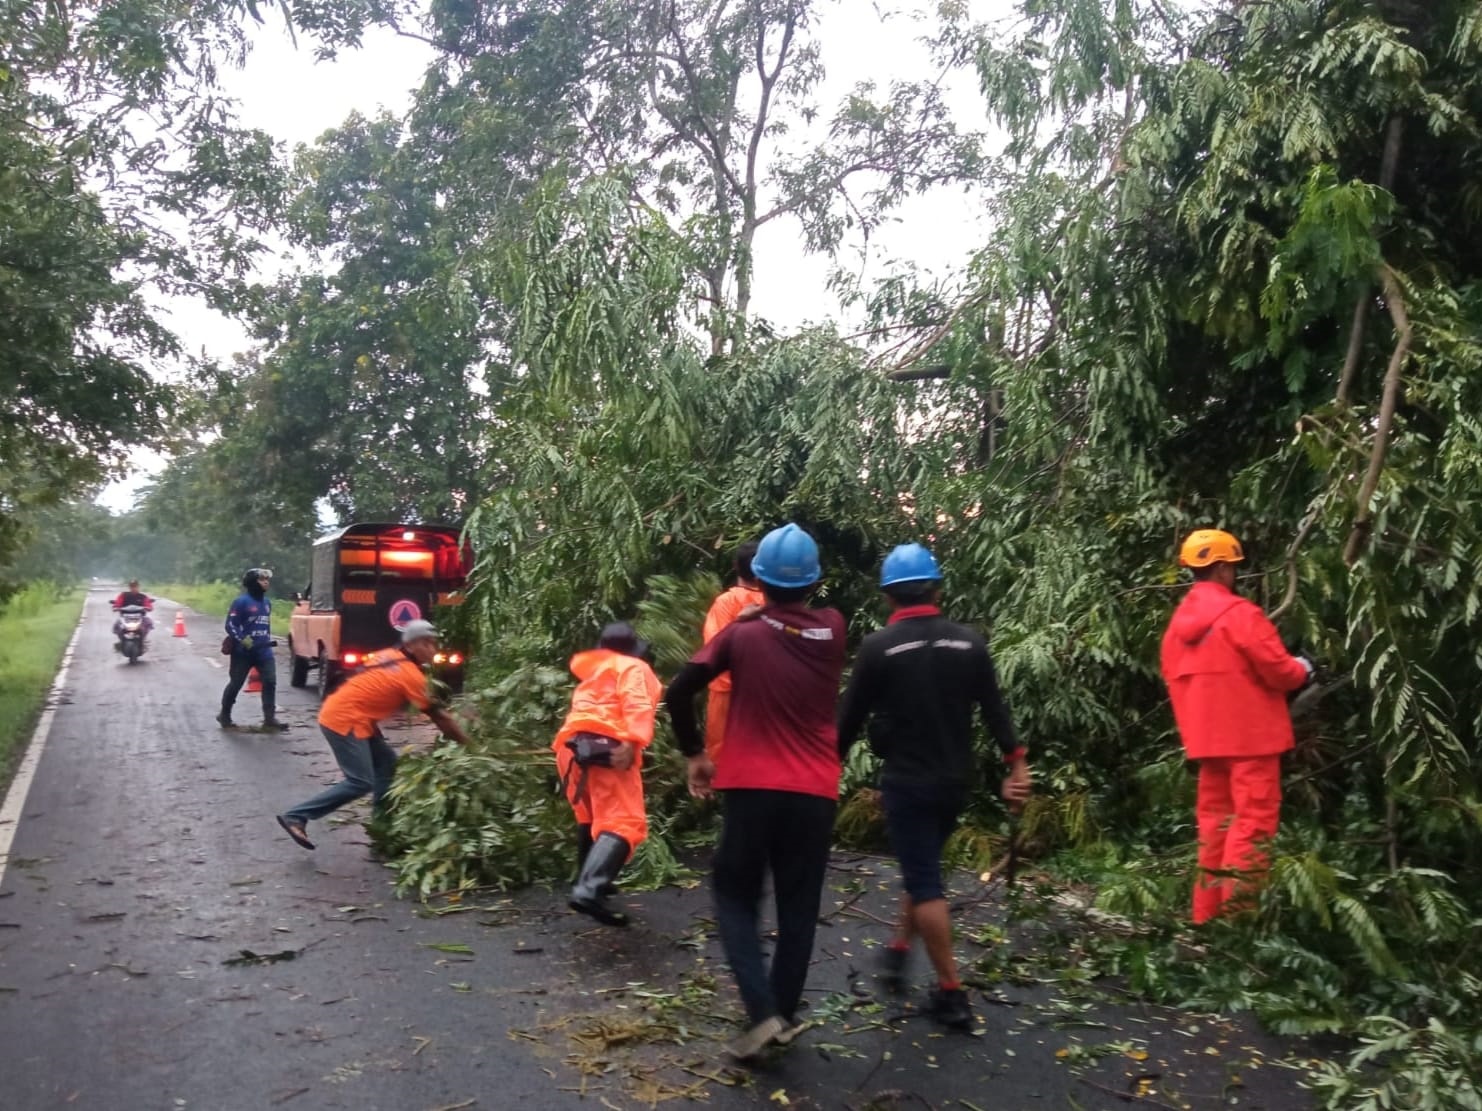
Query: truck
(366, 582)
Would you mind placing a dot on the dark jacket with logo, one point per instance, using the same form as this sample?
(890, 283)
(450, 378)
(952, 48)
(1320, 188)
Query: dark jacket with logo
(918, 681)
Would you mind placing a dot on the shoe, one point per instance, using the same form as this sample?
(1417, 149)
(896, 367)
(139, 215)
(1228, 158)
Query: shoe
(892, 974)
(273, 725)
(951, 1008)
(296, 831)
(224, 720)
(790, 1031)
(592, 889)
(745, 1046)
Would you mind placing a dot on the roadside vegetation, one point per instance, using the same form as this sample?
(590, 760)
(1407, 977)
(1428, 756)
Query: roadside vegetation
(212, 599)
(36, 623)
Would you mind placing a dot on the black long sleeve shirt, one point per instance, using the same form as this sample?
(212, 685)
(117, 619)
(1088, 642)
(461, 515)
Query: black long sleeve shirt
(918, 680)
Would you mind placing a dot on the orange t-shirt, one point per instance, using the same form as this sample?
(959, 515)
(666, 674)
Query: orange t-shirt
(724, 610)
(373, 694)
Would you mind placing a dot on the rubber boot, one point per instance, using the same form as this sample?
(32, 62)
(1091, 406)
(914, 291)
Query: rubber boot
(583, 845)
(605, 860)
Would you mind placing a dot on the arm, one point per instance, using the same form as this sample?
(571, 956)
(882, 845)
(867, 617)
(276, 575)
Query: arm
(1260, 644)
(445, 723)
(858, 700)
(234, 626)
(1018, 784)
(680, 698)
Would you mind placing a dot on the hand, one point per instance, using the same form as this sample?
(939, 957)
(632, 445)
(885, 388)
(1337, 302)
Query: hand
(245, 644)
(701, 772)
(1309, 665)
(622, 758)
(1018, 786)
(749, 612)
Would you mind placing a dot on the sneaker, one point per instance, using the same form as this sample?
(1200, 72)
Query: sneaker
(951, 1008)
(745, 1046)
(893, 970)
(791, 1029)
(224, 720)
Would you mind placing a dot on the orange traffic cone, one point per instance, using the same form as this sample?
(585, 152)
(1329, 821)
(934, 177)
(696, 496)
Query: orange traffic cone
(180, 623)
(254, 682)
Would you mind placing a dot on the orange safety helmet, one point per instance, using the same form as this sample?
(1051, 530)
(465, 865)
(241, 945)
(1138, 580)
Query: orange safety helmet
(1210, 545)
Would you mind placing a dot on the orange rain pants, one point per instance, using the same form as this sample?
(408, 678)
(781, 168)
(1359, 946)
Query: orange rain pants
(1238, 809)
(610, 801)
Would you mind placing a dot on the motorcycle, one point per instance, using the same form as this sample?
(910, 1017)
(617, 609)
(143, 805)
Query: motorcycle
(131, 632)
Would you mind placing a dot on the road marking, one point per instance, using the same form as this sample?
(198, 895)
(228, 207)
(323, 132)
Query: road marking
(215, 663)
(20, 786)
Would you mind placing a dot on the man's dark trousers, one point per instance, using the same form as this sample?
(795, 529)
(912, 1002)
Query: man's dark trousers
(789, 834)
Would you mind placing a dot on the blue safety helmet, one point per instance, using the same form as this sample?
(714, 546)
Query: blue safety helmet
(909, 563)
(787, 557)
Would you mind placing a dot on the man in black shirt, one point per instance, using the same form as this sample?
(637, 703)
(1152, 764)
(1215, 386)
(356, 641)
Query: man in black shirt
(920, 678)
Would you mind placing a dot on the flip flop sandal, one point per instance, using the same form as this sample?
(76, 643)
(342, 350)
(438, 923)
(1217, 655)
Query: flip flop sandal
(296, 831)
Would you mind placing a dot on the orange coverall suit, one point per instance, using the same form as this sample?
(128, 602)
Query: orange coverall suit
(617, 696)
(724, 610)
(1228, 674)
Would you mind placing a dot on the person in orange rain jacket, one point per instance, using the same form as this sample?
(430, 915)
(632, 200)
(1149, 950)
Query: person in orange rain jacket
(729, 605)
(1228, 675)
(599, 754)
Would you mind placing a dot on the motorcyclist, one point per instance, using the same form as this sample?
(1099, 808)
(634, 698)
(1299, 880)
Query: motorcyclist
(133, 596)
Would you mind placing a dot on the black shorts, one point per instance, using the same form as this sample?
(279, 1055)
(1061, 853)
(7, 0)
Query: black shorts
(920, 817)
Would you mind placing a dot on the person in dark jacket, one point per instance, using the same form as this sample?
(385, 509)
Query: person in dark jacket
(249, 625)
(918, 681)
(1228, 676)
(778, 777)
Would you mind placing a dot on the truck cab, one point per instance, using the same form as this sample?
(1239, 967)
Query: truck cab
(367, 581)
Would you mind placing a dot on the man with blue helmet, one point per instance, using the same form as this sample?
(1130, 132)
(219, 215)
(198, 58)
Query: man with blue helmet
(918, 680)
(778, 776)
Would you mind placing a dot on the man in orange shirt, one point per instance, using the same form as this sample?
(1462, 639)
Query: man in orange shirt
(727, 607)
(349, 720)
(599, 753)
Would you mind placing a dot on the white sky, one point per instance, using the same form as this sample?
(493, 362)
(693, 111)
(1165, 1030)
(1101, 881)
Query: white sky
(283, 91)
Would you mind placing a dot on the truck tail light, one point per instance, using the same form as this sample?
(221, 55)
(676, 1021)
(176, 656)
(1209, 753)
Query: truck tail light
(455, 658)
(352, 658)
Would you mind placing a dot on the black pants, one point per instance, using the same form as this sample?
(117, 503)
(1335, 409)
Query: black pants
(240, 666)
(789, 834)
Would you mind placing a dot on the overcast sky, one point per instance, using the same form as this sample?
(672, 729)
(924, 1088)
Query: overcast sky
(283, 91)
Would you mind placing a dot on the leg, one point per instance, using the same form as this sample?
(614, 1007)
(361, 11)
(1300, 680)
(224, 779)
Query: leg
(383, 769)
(267, 671)
(920, 818)
(717, 706)
(739, 869)
(354, 758)
(1255, 789)
(239, 665)
(1213, 810)
(617, 804)
(799, 858)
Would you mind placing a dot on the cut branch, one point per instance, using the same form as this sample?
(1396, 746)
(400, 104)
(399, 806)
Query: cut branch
(1394, 300)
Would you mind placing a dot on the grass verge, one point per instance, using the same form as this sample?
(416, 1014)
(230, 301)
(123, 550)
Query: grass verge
(214, 599)
(35, 626)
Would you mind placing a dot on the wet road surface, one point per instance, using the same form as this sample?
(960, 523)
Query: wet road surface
(164, 946)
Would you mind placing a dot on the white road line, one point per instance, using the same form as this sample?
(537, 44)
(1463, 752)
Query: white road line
(20, 786)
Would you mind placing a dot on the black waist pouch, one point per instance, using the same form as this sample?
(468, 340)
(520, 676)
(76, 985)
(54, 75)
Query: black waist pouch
(592, 750)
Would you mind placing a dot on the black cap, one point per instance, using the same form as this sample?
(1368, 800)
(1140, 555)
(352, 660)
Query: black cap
(622, 637)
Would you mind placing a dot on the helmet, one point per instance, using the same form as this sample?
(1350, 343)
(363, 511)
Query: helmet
(1210, 545)
(418, 630)
(621, 637)
(787, 557)
(909, 563)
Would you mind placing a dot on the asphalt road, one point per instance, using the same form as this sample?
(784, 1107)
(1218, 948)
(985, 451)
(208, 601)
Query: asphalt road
(164, 946)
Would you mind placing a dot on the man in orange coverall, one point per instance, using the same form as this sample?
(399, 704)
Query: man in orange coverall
(599, 753)
(729, 605)
(1228, 675)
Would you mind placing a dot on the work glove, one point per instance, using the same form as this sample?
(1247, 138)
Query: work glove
(245, 644)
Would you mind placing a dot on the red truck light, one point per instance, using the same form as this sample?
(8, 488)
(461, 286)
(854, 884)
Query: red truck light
(352, 658)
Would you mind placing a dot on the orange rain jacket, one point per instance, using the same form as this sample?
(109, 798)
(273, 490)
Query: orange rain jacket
(1228, 674)
(617, 696)
(725, 609)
